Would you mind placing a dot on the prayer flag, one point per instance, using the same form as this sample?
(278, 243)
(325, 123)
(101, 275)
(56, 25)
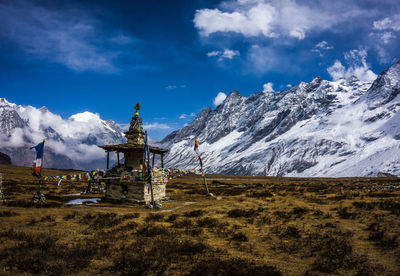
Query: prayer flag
(196, 149)
(37, 163)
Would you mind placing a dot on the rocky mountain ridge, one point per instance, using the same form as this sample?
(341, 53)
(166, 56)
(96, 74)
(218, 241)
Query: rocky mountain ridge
(321, 128)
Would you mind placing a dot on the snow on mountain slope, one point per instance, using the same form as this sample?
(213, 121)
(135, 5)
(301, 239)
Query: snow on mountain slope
(71, 143)
(322, 128)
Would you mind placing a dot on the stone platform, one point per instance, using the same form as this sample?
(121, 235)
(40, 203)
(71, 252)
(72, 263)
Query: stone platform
(137, 191)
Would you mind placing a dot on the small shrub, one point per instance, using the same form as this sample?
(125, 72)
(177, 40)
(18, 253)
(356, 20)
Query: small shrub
(381, 237)
(48, 218)
(239, 237)
(364, 205)
(390, 205)
(261, 194)
(70, 215)
(344, 213)
(336, 253)
(131, 216)
(233, 266)
(195, 213)
(8, 214)
(184, 223)
(283, 215)
(291, 231)
(237, 213)
(154, 217)
(172, 218)
(208, 222)
(152, 230)
(300, 211)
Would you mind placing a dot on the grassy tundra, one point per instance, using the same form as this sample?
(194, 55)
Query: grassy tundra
(253, 225)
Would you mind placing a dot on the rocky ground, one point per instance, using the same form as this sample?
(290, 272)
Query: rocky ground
(253, 225)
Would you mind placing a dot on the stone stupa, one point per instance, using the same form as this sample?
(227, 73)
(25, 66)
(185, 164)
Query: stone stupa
(135, 189)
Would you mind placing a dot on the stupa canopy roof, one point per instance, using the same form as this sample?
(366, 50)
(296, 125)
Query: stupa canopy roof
(135, 136)
(132, 147)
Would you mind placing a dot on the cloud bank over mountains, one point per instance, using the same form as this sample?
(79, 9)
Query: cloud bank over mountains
(76, 137)
(357, 66)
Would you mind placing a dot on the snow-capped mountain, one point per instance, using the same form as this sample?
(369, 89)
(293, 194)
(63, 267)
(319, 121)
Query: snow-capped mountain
(70, 143)
(322, 128)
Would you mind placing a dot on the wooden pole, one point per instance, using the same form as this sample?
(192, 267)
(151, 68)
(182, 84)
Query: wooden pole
(162, 160)
(205, 181)
(41, 167)
(118, 158)
(154, 156)
(108, 160)
(148, 164)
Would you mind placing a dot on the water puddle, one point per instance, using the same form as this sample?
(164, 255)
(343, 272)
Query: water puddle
(86, 201)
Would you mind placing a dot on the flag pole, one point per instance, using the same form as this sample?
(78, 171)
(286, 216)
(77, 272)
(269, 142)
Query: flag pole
(39, 197)
(148, 173)
(41, 167)
(196, 149)
(205, 181)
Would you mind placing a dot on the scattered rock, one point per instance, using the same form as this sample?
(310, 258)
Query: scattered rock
(5, 159)
(384, 174)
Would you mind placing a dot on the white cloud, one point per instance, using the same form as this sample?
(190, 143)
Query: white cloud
(124, 126)
(229, 54)
(226, 54)
(386, 37)
(121, 39)
(184, 116)
(321, 47)
(219, 98)
(388, 23)
(383, 55)
(154, 126)
(170, 87)
(67, 36)
(357, 66)
(213, 53)
(16, 138)
(267, 87)
(252, 22)
(264, 59)
(270, 18)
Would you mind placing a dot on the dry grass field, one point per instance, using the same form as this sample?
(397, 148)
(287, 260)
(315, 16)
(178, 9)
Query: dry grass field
(252, 226)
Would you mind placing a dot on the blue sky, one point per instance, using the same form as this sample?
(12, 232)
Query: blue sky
(175, 57)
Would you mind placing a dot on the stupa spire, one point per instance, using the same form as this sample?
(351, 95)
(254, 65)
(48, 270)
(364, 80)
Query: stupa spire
(135, 135)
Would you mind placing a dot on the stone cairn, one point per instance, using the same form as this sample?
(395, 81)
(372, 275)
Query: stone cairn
(38, 196)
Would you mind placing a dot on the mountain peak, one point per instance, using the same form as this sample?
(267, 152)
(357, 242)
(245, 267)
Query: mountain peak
(234, 93)
(44, 109)
(5, 103)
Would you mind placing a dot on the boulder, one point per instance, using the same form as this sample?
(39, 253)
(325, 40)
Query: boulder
(5, 159)
(384, 174)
